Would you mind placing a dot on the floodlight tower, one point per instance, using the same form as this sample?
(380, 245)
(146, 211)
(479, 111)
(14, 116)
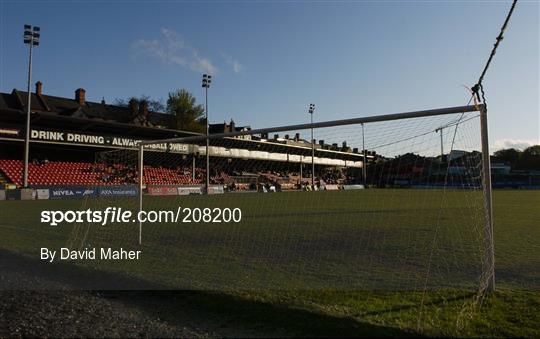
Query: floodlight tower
(206, 81)
(311, 111)
(31, 37)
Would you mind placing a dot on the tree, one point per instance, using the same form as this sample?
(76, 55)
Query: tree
(153, 105)
(509, 156)
(188, 115)
(530, 158)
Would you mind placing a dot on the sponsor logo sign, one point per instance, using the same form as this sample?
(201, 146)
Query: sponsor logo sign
(28, 194)
(101, 140)
(9, 131)
(118, 191)
(42, 193)
(353, 187)
(162, 190)
(70, 192)
(190, 190)
(14, 194)
(216, 190)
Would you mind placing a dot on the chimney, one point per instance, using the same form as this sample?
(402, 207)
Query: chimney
(39, 87)
(355, 150)
(344, 144)
(80, 96)
(321, 142)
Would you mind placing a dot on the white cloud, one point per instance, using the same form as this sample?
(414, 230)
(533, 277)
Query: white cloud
(172, 48)
(237, 67)
(519, 144)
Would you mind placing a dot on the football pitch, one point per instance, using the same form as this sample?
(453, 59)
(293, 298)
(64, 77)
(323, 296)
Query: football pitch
(384, 259)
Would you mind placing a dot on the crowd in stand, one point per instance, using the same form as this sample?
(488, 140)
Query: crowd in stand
(38, 162)
(334, 176)
(114, 173)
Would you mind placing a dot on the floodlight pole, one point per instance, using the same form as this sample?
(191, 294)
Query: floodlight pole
(207, 145)
(27, 134)
(311, 111)
(207, 80)
(31, 37)
(488, 203)
(312, 155)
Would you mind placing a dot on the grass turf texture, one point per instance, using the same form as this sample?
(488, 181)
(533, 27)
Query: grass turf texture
(358, 255)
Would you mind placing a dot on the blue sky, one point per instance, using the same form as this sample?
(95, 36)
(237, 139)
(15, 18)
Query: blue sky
(271, 59)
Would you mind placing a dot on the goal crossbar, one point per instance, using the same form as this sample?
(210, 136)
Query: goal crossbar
(331, 123)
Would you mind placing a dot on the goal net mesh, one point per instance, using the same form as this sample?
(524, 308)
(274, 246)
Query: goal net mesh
(409, 219)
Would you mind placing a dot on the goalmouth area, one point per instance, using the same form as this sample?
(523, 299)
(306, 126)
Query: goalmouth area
(399, 239)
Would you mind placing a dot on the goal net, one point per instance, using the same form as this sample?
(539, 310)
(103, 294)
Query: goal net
(381, 206)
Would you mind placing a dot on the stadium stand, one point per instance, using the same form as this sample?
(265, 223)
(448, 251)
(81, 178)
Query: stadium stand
(68, 134)
(85, 173)
(74, 173)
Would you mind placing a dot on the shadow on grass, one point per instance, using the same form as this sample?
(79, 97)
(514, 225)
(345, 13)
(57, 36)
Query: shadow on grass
(463, 296)
(219, 313)
(230, 315)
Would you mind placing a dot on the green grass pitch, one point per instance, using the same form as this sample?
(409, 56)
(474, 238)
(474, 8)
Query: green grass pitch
(361, 255)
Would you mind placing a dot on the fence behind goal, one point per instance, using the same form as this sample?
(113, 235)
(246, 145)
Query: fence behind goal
(383, 205)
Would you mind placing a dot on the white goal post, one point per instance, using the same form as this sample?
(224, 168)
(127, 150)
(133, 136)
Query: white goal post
(488, 275)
